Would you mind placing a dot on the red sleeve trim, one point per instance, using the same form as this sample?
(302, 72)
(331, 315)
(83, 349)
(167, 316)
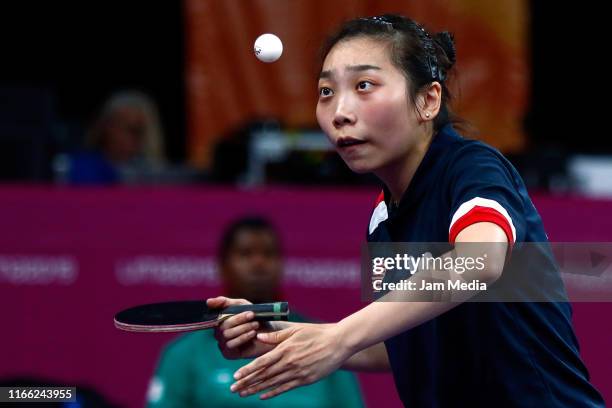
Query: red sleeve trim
(481, 214)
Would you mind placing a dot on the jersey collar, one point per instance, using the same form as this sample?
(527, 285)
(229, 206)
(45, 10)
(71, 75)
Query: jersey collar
(424, 176)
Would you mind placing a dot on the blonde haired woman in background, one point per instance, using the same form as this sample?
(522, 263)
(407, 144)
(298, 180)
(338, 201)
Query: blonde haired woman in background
(124, 145)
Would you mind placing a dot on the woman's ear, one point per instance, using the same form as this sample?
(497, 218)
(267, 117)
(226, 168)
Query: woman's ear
(429, 101)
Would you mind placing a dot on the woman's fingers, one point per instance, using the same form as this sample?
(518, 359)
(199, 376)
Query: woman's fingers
(259, 376)
(272, 357)
(302, 355)
(237, 320)
(250, 379)
(236, 330)
(281, 389)
(216, 302)
(271, 381)
(277, 336)
(240, 340)
(267, 359)
(233, 332)
(222, 301)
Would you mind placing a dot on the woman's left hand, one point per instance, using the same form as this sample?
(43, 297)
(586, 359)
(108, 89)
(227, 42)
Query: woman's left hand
(304, 354)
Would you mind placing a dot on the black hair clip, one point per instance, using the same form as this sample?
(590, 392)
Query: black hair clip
(435, 72)
(434, 69)
(432, 61)
(379, 20)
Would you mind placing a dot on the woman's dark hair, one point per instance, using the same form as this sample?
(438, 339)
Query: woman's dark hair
(422, 58)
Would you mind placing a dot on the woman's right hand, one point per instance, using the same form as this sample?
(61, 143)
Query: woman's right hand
(236, 336)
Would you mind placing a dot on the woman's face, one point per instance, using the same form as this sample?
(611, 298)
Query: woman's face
(363, 105)
(124, 135)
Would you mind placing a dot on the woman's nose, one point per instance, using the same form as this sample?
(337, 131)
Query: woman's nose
(344, 114)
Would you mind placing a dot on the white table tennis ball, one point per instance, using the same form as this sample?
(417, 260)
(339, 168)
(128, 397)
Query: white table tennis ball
(268, 47)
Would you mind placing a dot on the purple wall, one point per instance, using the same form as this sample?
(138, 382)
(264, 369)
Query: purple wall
(71, 258)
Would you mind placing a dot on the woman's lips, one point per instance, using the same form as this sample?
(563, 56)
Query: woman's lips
(348, 141)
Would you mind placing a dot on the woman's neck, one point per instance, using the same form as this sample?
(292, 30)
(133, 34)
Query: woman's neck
(398, 175)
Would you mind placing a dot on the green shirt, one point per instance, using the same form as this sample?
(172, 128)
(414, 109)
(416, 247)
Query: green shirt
(192, 372)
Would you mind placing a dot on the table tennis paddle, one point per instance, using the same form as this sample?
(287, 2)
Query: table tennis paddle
(190, 315)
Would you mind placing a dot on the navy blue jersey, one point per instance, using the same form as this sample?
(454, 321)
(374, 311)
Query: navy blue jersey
(519, 354)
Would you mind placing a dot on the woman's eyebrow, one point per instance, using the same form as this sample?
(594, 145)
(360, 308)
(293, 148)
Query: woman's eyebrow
(358, 68)
(353, 68)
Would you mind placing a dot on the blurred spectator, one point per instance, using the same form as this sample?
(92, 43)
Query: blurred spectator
(192, 372)
(125, 144)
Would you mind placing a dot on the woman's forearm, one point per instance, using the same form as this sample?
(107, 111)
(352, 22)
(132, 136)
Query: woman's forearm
(374, 358)
(382, 320)
(399, 311)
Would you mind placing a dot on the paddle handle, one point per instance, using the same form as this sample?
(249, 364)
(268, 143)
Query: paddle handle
(263, 311)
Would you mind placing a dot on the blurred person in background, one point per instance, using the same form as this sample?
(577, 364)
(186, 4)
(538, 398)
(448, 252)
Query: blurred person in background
(192, 371)
(124, 145)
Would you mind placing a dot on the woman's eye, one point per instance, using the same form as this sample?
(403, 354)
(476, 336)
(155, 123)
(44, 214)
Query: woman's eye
(364, 85)
(325, 92)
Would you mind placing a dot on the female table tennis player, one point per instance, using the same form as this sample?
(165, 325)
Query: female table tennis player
(383, 103)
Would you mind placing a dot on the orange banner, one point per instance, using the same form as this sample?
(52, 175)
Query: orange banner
(227, 85)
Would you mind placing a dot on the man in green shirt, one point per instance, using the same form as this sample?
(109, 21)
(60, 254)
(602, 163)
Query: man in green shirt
(192, 372)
